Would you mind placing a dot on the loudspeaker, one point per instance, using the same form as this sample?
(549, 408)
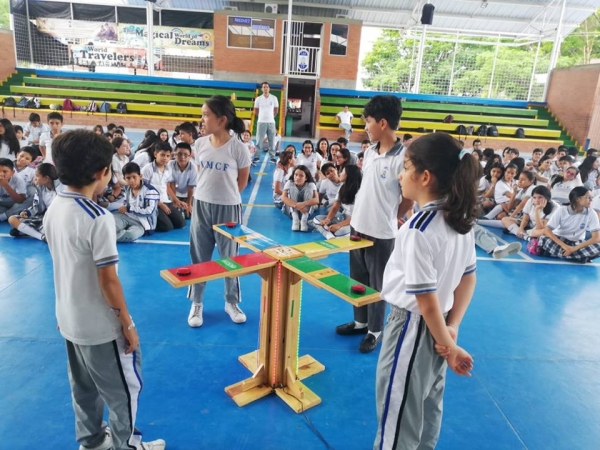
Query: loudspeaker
(427, 15)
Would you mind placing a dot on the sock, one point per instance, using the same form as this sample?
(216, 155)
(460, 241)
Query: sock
(3, 217)
(29, 231)
(375, 333)
(359, 325)
(304, 218)
(490, 223)
(513, 228)
(494, 212)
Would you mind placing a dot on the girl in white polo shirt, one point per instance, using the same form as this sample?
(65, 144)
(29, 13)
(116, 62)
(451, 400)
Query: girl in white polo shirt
(429, 281)
(565, 233)
(223, 169)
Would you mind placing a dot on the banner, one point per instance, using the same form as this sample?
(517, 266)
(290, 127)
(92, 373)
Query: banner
(80, 30)
(108, 55)
(167, 37)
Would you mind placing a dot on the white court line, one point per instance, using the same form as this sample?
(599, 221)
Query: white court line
(254, 192)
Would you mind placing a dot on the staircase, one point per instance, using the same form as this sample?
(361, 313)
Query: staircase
(553, 124)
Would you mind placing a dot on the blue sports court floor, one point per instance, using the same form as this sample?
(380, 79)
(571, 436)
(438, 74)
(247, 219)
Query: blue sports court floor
(532, 329)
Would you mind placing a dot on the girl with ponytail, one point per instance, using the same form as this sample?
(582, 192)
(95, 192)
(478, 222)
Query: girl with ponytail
(429, 281)
(223, 169)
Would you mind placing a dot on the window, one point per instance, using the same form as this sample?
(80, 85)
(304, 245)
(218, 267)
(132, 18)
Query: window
(246, 32)
(338, 41)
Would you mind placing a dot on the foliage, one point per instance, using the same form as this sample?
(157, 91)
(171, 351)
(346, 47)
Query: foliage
(392, 62)
(4, 14)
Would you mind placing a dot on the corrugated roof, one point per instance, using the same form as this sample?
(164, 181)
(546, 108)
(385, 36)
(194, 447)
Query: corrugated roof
(511, 17)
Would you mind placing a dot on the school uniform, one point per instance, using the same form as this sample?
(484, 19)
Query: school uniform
(344, 213)
(142, 159)
(118, 162)
(42, 200)
(7, 205)
(46, 139)
(97, 362)
(429, 257)
(160, 180)
(375, 218)
(560, 191)
(141, 216)
(529, 210)
(35, 132)
(183, 179)
(329, 190)
(501, 188)
(312, 162)
(217, 199)
(571, 227)
(279, 175)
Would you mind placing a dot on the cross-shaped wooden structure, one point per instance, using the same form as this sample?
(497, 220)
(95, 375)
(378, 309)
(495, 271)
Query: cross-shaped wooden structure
(275, 365)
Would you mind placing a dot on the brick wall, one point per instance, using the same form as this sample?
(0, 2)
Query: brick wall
(337, 68)
(7, 54)
(81, 118)
(574, 97)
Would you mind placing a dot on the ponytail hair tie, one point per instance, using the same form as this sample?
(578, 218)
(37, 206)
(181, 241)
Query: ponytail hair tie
(462, 153)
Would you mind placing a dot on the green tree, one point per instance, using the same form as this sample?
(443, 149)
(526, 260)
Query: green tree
(583, 44)
(4, 14)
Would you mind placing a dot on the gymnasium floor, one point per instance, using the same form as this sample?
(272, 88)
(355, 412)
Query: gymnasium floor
(532, 329)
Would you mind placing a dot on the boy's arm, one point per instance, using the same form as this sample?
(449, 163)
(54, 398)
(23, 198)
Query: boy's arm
(113, 294)
(18, 198)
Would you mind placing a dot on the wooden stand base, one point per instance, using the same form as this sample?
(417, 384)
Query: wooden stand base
(295, 394)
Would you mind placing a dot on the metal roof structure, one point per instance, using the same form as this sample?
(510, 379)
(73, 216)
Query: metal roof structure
(517, 18)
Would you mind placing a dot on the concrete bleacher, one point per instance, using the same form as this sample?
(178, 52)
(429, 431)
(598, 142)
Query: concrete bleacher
(175, 100)
(426, 113)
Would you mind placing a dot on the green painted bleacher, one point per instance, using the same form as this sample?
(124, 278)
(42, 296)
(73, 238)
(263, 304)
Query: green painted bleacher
(135, 87)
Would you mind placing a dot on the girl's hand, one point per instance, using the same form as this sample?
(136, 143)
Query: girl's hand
(568, 250)
(122, 209)
(494, 180)
(542, 205)
(334, 228)
(460, 362)
(443, 351)
(325, 222)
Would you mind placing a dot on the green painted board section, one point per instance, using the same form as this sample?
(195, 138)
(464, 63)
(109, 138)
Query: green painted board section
(458, 118)
(228, 264)
(119, 96)
(306, 265)
(448, 107)
(141, 87)
(343, 284)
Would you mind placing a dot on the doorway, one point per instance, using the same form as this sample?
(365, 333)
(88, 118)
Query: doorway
(300, 107)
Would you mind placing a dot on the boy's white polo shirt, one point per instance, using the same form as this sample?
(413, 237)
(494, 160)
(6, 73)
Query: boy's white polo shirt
(429, 256)
(570, 225)
(376, 204)
(183, 179)
(82, 239)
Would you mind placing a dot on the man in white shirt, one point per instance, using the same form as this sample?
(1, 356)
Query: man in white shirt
(344, 118)
(266, 107)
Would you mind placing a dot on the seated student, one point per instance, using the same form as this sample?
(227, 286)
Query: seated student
(34, 129)
(487, 186)
(163, 135)
(138, 216)
(9, 144)
(477, 154)
(329, 187)
(364, 145)
(99, 130)
(322, 147)
(536, 155)
(565, 232)
(184, 173)
(120, 158)
(55, 123)
(145, 156)
(309, 158)
(13, 191)
(29, 221)
(300, 197)
(359, 159)
(337, 221)
(247, 140)
(536, 213)
(543, 174)
(556, 167)
(503, 192)
(287, 160)
(524, 188)
(588, 171)
(342, 141)
(25, 169)
(488, 153)
(562, 186)
(489, 244)
(113, 195)
(334, 147)
(159, 175)
(19, 133)
(341, 159)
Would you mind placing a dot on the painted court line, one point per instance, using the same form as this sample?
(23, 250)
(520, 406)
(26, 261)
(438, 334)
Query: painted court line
(254, 193)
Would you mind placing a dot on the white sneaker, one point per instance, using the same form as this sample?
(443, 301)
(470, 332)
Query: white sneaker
(295, 225)
(105, 445)
(235, 313)
(508, 249)
(158, 444)
(329, 235)
(195, 317)
(303, 225)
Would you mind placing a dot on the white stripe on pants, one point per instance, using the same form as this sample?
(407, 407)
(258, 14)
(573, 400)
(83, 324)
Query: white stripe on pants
(104, 374)
(409, 385)
(203, 240)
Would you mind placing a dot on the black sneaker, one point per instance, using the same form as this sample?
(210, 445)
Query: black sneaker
(15, 233)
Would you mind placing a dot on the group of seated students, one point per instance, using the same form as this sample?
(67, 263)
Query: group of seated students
(551, 200)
